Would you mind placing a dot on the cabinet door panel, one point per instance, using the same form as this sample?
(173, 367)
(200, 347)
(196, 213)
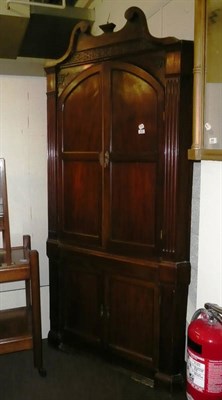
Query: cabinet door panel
(81, 114)
(134, 204)
(81, 303)
(82, 200)
(133, 318)
(136, 104)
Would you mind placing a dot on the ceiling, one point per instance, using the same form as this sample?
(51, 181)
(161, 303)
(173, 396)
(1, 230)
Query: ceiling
(40, 31)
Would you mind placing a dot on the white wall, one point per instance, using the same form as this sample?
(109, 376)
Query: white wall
(160, 15)
(23, 143)
(209, 282)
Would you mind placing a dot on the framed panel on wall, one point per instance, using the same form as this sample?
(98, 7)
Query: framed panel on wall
(207, 110)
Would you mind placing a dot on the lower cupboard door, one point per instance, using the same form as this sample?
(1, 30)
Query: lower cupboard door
(81, 301)
(133, 319)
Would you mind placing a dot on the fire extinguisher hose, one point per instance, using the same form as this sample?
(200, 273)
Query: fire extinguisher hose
(215, 310)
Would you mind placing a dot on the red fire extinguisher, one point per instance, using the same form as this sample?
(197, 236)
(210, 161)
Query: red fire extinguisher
(204, 354)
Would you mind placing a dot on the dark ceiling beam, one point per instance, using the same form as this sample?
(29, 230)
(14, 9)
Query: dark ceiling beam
(44, 34)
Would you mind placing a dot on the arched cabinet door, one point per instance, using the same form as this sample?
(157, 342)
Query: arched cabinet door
(80, 132)
(136, 160)
(110, 123)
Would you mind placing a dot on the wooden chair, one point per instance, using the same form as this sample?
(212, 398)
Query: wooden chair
(20, 327)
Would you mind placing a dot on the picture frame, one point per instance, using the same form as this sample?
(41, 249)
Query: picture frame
(207, 89)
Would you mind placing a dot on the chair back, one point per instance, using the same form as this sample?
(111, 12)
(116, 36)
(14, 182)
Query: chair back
(4, 215)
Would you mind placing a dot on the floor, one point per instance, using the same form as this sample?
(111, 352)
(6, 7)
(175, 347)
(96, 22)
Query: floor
(76, 375)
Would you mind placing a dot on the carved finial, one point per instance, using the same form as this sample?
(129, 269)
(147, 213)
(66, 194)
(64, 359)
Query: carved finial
(107, 28)
(134, 13)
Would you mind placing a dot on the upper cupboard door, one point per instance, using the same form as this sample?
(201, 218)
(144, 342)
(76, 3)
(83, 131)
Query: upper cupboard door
(80, 143)
(136, 160)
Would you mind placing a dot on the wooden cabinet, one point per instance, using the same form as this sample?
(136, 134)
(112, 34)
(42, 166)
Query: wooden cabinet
(119, 126)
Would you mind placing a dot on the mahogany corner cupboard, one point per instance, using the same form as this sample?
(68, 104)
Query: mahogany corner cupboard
(119, 189)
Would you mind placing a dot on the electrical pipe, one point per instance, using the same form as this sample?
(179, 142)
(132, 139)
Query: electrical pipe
(33, 3)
